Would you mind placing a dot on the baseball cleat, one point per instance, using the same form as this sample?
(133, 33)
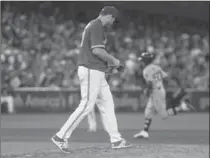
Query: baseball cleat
(142, 134)
(121, 144)
(62, 144)
(186, 106)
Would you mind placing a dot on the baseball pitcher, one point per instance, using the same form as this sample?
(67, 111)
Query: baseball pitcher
(93, 61)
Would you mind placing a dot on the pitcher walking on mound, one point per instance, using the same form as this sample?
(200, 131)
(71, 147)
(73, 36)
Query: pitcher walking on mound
(93, 63)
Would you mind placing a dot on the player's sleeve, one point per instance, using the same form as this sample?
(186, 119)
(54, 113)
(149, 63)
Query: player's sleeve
(163, 73)
(97, 36)
(146, 76)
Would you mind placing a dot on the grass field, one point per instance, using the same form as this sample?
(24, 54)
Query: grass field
(183, 136)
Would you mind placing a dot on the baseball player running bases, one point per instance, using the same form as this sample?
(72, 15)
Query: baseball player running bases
(154, 76)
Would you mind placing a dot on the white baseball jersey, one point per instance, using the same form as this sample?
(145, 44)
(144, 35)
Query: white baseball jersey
(154, 74)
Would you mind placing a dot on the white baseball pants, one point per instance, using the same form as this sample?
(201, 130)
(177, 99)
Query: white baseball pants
(156, 104)
(93, 87)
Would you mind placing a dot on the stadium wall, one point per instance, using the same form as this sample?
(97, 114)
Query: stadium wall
(65, 100)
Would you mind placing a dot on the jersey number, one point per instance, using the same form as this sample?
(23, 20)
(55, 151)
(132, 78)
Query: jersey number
(157, 76)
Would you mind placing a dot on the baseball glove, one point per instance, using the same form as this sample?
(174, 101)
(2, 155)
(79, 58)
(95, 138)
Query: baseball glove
(115, 69)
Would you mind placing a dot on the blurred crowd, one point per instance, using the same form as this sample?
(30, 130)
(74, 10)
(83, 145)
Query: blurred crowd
(41, 51)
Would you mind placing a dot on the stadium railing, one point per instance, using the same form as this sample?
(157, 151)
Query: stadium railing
(37, 99)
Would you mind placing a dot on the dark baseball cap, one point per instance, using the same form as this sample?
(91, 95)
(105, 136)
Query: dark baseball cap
(110, 10)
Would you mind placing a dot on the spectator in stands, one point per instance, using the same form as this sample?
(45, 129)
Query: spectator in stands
(42, 50)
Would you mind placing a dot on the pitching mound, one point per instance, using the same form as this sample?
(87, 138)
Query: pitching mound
(137, 151)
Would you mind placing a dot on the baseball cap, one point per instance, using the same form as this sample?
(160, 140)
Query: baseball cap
(110, 10)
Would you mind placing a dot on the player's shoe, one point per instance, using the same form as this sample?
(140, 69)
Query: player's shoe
(186, 106)
(142, 134)
(177, 97)
(121, 144)
(61, 143)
